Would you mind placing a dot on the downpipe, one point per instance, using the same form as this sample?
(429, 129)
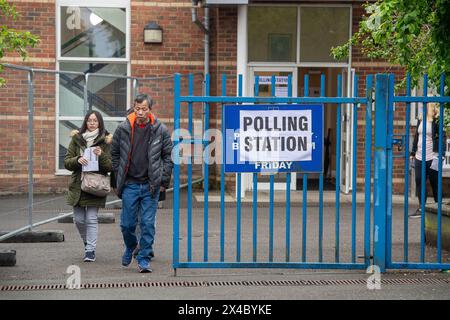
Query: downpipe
(205, 28)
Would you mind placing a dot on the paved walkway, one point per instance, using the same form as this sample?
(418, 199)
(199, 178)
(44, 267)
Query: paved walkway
(46, 263)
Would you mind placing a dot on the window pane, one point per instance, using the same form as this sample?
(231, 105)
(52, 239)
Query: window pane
(65, 129)
(106, 95)
(321, 29)
(93, 32)
(272, 34)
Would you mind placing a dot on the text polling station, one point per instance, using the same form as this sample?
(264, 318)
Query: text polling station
(273, 138)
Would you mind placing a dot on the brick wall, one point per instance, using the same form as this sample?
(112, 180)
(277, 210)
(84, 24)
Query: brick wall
(39, 18)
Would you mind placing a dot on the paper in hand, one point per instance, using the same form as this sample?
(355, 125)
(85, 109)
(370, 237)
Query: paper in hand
(434, 164)
(92, 159)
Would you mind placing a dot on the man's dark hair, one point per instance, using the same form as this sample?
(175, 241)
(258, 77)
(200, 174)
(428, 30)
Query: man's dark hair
(144, 97)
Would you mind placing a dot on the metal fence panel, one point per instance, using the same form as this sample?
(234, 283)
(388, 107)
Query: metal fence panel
(256, 235)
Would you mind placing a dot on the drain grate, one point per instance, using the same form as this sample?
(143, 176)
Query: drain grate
(267, 283)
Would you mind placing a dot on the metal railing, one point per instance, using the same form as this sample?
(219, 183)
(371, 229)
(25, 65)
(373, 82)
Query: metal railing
(137, 84)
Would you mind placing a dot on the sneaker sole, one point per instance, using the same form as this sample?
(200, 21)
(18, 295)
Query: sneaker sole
(88, 260)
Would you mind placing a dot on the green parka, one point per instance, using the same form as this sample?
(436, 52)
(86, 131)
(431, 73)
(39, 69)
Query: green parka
(75, 196)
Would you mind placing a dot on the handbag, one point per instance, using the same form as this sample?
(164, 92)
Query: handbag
(95, 183)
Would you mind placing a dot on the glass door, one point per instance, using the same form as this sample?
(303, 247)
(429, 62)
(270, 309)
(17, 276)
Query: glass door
(281, 90)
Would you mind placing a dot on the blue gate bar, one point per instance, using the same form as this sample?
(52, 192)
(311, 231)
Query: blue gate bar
(390, 133)
(255, 89)
(426, 99)
(338, 100)
(288, 194)
(423, 172)
(231, 100)
(176, 187)
(305, 186)
(441, 134)
(367, 164)
(306, 85)
(289, 85)
(238, 202)
(304, 215)
(238, 218)
(288, 216)
(322, 94)
(273, 265)
(423, 266)
(407, 164)
(321, 217)
(255, 215)
(380, 181)
(189, 196)
(338, 170)
(272, 181)
(272, 85)
(206, 174)
(272, 186)
(355, 148)
(255, 194)
(222, 178)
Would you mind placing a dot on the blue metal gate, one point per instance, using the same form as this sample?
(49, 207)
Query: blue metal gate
(385, 139)
(185, 249)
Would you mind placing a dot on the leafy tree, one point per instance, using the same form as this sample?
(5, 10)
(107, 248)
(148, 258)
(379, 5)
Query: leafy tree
(412, 33)
(12, 40)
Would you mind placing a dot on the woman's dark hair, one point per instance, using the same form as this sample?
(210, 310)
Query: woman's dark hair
(101, 125)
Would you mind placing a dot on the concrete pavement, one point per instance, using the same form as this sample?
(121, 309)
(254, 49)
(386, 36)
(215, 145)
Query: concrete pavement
(47, 263)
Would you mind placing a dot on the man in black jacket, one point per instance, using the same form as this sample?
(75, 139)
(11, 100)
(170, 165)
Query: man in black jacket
(142, 164)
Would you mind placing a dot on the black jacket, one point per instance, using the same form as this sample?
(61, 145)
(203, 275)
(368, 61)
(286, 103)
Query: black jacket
(159, 154)
(434, 135)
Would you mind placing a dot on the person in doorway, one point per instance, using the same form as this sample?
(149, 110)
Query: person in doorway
(142, 164)
(92, 134)
(431, 146)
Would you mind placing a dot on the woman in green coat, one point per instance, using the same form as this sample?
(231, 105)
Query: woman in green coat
(85, 206)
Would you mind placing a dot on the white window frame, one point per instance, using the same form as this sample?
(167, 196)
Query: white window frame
(94, 4)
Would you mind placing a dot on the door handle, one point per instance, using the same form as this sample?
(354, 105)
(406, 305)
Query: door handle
(398, 140)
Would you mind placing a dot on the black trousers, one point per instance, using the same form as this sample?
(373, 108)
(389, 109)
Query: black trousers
(432, 176)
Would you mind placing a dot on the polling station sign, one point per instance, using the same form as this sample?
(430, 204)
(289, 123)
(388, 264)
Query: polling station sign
(273, 138)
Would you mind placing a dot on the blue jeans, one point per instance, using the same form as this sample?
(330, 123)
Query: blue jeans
(136, 199)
